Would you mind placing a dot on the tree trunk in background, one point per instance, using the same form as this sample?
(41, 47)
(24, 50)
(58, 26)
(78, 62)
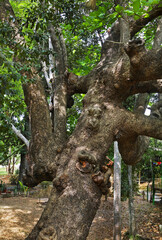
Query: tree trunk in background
(23, 161)
(13, 164)
(139, 177)
(22, 164)
(117, 193)
(131, 204)
(9, 166)
(9, 162)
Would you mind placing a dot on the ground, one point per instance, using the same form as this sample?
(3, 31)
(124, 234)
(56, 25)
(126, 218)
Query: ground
(17, 217)
(148, 219)
(19, 214)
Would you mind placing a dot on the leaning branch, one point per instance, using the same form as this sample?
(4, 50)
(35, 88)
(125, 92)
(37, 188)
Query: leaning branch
(59, 87)
(143, 125)
(46, 74)
(137, 25)
(148, 86)
(145, 65)
(132, 146)
(20, 135)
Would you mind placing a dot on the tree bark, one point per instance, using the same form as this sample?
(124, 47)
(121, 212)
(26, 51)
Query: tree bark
(22, 165)
(124, 69)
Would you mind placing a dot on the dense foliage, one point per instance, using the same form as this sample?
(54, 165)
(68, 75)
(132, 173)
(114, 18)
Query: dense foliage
(84, 31)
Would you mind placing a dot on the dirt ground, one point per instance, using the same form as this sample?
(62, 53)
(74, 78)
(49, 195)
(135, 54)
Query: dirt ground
(148, 219)
(18, 215)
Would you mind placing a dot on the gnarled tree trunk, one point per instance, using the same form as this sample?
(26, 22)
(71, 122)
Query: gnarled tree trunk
(124, 69)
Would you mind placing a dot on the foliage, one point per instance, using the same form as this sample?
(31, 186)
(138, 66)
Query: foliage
(110, 152)
(14, 179)
(12, 105)
(124, 182)
(127, 236)
(74, 112)
(2, 171)
(137, 8)
(45, 184)
(146, 165)
(2, 186)
(129, 103)
(24, 188)
(84, 32)
(17, 171)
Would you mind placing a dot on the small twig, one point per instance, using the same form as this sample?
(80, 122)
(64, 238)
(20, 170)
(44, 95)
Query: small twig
(115, 42)
(20, 135)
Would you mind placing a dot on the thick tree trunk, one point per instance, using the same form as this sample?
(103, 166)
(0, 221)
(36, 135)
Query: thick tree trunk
(13, 164)
(68, 214)
(124, 69)
(139, 178)
(75, 197)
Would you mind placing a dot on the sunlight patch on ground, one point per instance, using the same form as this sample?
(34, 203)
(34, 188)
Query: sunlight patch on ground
(5, 207)
(17, 217)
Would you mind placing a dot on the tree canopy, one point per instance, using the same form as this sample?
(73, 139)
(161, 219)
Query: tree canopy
(79, 67)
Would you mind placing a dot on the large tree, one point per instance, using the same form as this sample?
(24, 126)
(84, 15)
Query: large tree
(74, 163)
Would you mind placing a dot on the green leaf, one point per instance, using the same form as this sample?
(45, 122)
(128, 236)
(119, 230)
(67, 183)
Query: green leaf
(119, 8)
(129, 12)
(136, 5)
(152, 2)
(136, 17)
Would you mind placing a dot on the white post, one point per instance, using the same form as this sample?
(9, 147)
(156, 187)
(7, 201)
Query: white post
(131, 204)
(117, 193)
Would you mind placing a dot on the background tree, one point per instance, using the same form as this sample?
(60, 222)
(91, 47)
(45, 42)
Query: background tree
(124, 68)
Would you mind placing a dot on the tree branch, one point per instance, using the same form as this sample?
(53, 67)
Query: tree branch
(145, 65)
(143, 125)
(60, 62)
(141, 103)
(158, 35)
(20, 135)
(42, 146)
(148, 86)
(137, 25)
(39, 117)
(5, 10)
(46, 75)
(59, 87)
(132, 146)
(77, 84)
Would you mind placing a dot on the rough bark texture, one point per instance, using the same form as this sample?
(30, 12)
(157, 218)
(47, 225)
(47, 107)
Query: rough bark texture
(124, 69)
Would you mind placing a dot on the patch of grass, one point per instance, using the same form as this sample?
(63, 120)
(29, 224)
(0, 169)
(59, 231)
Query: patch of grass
(3, 171)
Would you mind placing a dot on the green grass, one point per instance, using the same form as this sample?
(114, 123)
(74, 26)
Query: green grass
(3, 171)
